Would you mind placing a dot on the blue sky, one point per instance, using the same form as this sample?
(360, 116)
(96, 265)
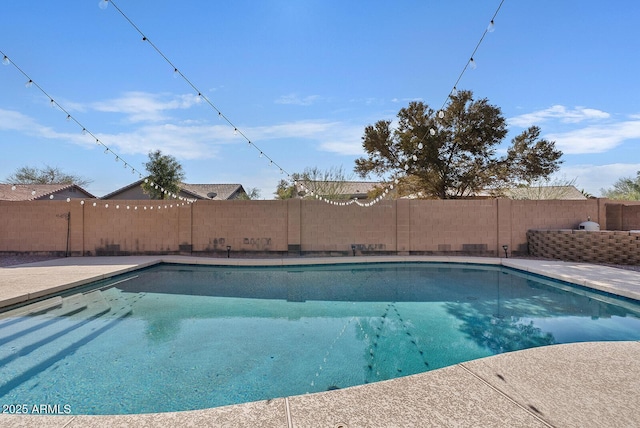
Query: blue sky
(302, 79)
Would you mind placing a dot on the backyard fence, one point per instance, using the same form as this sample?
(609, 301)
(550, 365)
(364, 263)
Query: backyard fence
(289, 227)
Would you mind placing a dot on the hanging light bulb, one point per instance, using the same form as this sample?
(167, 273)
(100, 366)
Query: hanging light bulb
(454, 91)
(29, 83)
(235, 131)
(420, 146)
(103, 4)
(84, 131)
(440, 115)
(492, 26)
(52, 103)
(472, 64)
(68, 118)
(415, 158)
(432, 131)
(81, 202)
(51, 197)
(175, 73)
(5, 60)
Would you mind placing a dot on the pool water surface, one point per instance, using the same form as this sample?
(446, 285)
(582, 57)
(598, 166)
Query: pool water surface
(176, 337)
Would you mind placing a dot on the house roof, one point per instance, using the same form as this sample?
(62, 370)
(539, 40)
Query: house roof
(198, 191)
(31, 192)
(213, 191)
(350, 188)
(122, 189)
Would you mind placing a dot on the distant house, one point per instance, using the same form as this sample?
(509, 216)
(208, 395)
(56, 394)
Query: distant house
(336, 189)
(34, 192)
(216, 192)
(544, 193)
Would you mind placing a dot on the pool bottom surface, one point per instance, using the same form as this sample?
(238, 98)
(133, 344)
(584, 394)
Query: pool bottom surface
(162, 351)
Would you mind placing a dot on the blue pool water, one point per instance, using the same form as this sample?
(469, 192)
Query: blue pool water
(176, 337)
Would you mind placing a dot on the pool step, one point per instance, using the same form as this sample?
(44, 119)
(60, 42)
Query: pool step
(56, 333)
(33, 309)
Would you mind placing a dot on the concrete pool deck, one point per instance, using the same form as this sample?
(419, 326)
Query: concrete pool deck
(576, 385)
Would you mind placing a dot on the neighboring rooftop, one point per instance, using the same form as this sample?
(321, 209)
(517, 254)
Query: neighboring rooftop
(134, 191)
(345, 189)
(33, 192)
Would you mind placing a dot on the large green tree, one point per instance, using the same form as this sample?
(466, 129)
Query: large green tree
(165, 176)
(625, 188)
(45, 175)
(452, 153)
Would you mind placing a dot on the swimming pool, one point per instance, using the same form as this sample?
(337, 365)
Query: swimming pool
(178, 337)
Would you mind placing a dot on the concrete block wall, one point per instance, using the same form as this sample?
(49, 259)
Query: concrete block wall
(250, 226)
(614, 247)
(327, 228)
(456, 226)
(623, 216)
(129, 227)
(478, 227)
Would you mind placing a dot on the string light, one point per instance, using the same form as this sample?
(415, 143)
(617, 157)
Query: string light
(471, 63)
(70, 117)
(177, 72)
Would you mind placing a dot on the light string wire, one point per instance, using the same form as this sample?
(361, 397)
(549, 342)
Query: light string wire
(85, 131)
(103, 5)
(177, 71)
(440, 113)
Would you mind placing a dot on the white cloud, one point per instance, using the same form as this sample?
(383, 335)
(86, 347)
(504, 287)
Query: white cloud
(295, 99)
(146, 107)
(335, 137)
(183, 142)
(594, 178)
(558, 112)
(15, 121)
(596, 139)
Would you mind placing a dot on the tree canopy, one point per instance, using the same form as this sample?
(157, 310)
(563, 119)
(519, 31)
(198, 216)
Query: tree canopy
(452, 153)
(625, 188)
(165, 176)
(45, 175)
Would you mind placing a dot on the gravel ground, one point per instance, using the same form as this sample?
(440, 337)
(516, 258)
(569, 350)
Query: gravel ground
(13, 260)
